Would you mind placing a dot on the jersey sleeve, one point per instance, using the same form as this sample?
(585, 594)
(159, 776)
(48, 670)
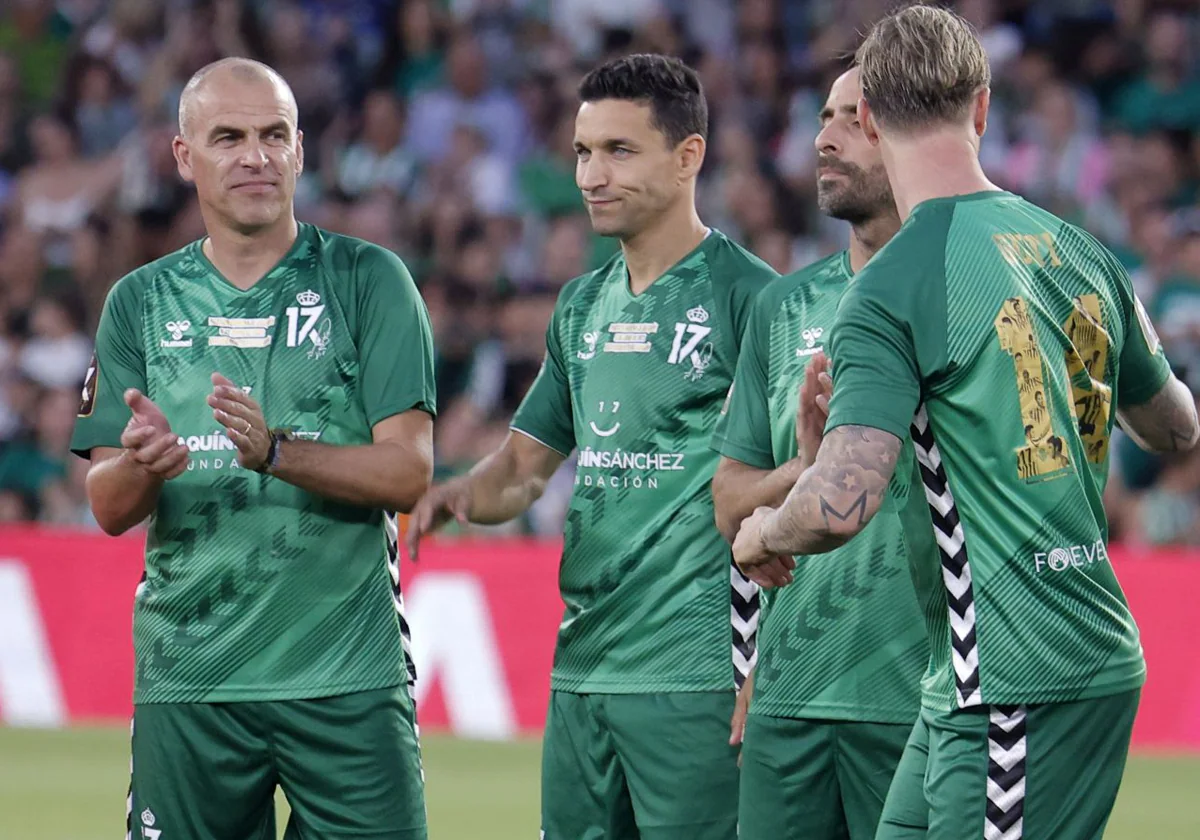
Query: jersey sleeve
(545, 413)
(118, 363)
(743, 430)
(1143, 367)
(889, 340)
(876, 380)
(395, 339)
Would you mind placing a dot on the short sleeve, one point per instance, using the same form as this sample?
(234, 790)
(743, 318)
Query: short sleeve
(743, 430)
(876, 375)
(395, 339)
(545, 412)
(118, 363)
(1143, 367)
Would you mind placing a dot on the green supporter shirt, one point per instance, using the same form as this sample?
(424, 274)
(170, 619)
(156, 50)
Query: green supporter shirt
(1004, 339)
(846, 640)
(635, 384)
(254, 588)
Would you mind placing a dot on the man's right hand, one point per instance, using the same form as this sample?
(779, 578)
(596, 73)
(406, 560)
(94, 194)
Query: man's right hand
(812, 411)
(148, 442)
(442, 503)
(741, 708)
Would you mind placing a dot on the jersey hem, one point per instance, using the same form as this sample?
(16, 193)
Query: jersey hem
(1146, 391)
(870, 419)
(399, 408)
(537, 439)
(251, 694)
(836, 712)
(1053, 694)
(593, 686)
(747, 455)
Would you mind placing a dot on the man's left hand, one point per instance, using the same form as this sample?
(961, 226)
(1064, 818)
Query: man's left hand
(243, 420)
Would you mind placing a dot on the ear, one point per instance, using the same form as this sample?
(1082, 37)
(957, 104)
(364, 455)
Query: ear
(183, 159)
(866, 119)
(299, 152)
(983, 101)
(690, 154)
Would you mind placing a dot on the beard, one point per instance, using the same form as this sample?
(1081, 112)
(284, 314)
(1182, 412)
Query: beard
(865, 194)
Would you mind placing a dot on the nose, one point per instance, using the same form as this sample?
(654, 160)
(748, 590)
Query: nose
(826, 140)
(591, 173)
(254, 156)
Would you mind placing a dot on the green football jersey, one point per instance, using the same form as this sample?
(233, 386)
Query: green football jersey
(255, 589)
(1004, 339)
(846, 639)
(636, 385)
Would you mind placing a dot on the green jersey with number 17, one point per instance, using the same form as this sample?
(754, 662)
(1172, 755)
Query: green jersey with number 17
(635, 384)
(256, 589)
(1004, 340)
(846, 640)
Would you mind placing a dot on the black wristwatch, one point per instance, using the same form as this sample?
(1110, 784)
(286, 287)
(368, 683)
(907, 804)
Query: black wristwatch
(272, 460)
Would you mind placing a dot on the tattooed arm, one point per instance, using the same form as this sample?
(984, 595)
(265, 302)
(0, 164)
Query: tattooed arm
(833, 501)
(1164, 423)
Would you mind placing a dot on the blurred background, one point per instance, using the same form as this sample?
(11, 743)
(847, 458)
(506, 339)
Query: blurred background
(442, 130)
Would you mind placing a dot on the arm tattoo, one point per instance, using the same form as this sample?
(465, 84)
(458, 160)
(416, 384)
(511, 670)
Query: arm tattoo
(837, 496)
(1166, 422)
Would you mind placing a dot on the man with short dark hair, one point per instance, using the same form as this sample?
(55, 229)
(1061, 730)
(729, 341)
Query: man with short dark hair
(1036, 668)
(639, 357)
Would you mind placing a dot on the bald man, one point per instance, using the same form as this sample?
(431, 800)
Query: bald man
(264, 397)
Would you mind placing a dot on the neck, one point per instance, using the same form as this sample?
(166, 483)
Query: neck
(243, 258)
(649, 253)
(935, 165)
(869, 237)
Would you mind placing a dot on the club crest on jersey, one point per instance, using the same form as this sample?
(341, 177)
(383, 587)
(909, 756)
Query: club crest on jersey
(686, 346)
(148, 831)
(305, 324)
(176, 329)
(811, 336)
(589, 341)
(630, 338)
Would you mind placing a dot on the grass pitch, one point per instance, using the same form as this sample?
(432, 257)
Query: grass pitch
(70, 785)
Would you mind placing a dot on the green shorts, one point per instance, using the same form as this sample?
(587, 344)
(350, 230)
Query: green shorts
(349, 766)
(816, 779)
(649, 766)
(1009, 772)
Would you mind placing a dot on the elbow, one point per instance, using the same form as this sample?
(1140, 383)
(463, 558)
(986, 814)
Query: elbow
(725, 511)
(726, 523)
(417, 479)
(112, 527)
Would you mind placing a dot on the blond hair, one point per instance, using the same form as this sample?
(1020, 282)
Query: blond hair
(922, 66)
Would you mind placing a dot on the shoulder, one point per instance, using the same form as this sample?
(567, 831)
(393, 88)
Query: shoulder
(128, 293)
(365, 260)
(583, 289)
(734, 268)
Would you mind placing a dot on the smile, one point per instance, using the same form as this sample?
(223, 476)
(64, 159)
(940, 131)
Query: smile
(604, 432)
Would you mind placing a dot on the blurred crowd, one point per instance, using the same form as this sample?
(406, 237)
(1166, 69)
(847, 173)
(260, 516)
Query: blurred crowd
(442, 129)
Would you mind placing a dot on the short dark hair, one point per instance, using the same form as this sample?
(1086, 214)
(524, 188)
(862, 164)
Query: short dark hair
(671, 89)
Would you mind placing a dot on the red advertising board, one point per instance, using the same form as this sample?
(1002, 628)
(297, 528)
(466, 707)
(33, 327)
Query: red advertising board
(484, 616)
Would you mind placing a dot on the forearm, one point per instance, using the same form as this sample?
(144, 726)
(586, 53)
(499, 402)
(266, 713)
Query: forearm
(499, 489)
(739, 490)
(121, 494)
(1166, 422)
(387, 475)
(837, 496)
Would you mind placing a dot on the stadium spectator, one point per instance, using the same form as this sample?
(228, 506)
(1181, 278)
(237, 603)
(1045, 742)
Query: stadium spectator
(1096, 108)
